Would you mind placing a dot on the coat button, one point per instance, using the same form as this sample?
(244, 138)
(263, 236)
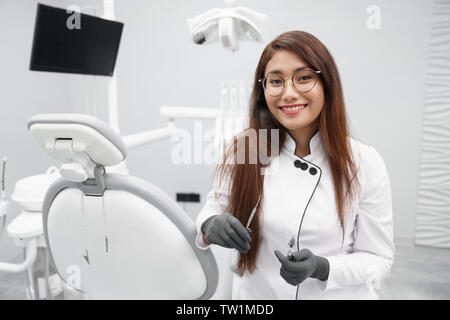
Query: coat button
(304, 166)
(313, 171)
(297, 163)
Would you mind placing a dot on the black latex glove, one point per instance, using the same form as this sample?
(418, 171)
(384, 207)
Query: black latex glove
(227, 231)
(304, 264)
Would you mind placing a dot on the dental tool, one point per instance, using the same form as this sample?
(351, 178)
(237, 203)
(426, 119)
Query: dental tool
(230, 26)
(3, 200)
(3, 177)
(291, 245)
(249, 221)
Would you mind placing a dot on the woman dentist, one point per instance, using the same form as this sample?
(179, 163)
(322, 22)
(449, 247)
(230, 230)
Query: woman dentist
(323, 226)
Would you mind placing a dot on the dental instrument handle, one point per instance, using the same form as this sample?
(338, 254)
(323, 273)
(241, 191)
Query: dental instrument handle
(3, 193)
(3, 174)
(249, 221)
(251, 218)
(291, 245)
(290, 255)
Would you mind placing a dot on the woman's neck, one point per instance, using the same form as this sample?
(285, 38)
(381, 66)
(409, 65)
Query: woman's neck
(302, 138)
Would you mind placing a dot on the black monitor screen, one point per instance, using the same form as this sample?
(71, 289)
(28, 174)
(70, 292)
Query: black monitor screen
(88, 48)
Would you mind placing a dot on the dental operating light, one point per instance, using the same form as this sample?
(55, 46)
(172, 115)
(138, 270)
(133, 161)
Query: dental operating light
(230, 26)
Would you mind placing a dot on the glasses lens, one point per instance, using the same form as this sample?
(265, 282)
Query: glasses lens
(273, 85)
(304, 80)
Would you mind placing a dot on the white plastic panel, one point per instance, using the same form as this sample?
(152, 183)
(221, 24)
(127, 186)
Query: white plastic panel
(148, 257)
(85, 139)
(30, 192)
(433, 200)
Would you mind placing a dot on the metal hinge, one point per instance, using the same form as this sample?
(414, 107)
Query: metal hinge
(97, 186)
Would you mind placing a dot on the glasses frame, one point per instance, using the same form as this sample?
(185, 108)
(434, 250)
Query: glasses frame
(316, 72)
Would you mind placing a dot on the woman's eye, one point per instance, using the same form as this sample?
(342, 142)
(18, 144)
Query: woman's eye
(275, 81)
(303, 78)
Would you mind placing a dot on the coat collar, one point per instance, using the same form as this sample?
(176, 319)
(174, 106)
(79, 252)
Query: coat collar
(315, 145)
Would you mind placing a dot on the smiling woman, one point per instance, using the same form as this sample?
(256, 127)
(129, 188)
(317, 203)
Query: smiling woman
(329, 198)
(304, 93)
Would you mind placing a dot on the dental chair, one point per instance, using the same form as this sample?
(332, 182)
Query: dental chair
(110, 235)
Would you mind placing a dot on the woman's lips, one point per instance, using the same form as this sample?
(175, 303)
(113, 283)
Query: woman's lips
(294, 109)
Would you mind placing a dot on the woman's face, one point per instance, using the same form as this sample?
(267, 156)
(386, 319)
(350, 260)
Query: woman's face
(285, 63)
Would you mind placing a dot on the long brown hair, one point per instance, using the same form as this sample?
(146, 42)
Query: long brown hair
(246, 180)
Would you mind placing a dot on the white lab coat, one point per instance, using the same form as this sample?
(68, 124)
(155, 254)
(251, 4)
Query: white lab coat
(294, 201)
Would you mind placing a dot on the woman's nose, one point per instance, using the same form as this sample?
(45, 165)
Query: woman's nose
(290, 91)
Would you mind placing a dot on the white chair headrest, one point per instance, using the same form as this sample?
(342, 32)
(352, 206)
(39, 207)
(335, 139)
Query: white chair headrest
(78, 140)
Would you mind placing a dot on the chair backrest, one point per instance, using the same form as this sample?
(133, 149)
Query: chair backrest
(114, 236)
(134, 242)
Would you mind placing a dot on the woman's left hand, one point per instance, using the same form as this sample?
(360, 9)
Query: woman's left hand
(303, 265)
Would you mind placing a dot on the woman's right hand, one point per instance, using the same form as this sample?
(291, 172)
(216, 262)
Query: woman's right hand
(227, 231)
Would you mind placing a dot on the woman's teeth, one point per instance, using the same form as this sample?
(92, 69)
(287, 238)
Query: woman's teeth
(294, 108)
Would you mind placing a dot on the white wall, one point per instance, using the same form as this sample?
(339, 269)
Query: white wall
(23, 94)
(383, 75)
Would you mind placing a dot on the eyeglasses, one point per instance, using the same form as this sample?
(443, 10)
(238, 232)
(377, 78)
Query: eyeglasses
(303, 80)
